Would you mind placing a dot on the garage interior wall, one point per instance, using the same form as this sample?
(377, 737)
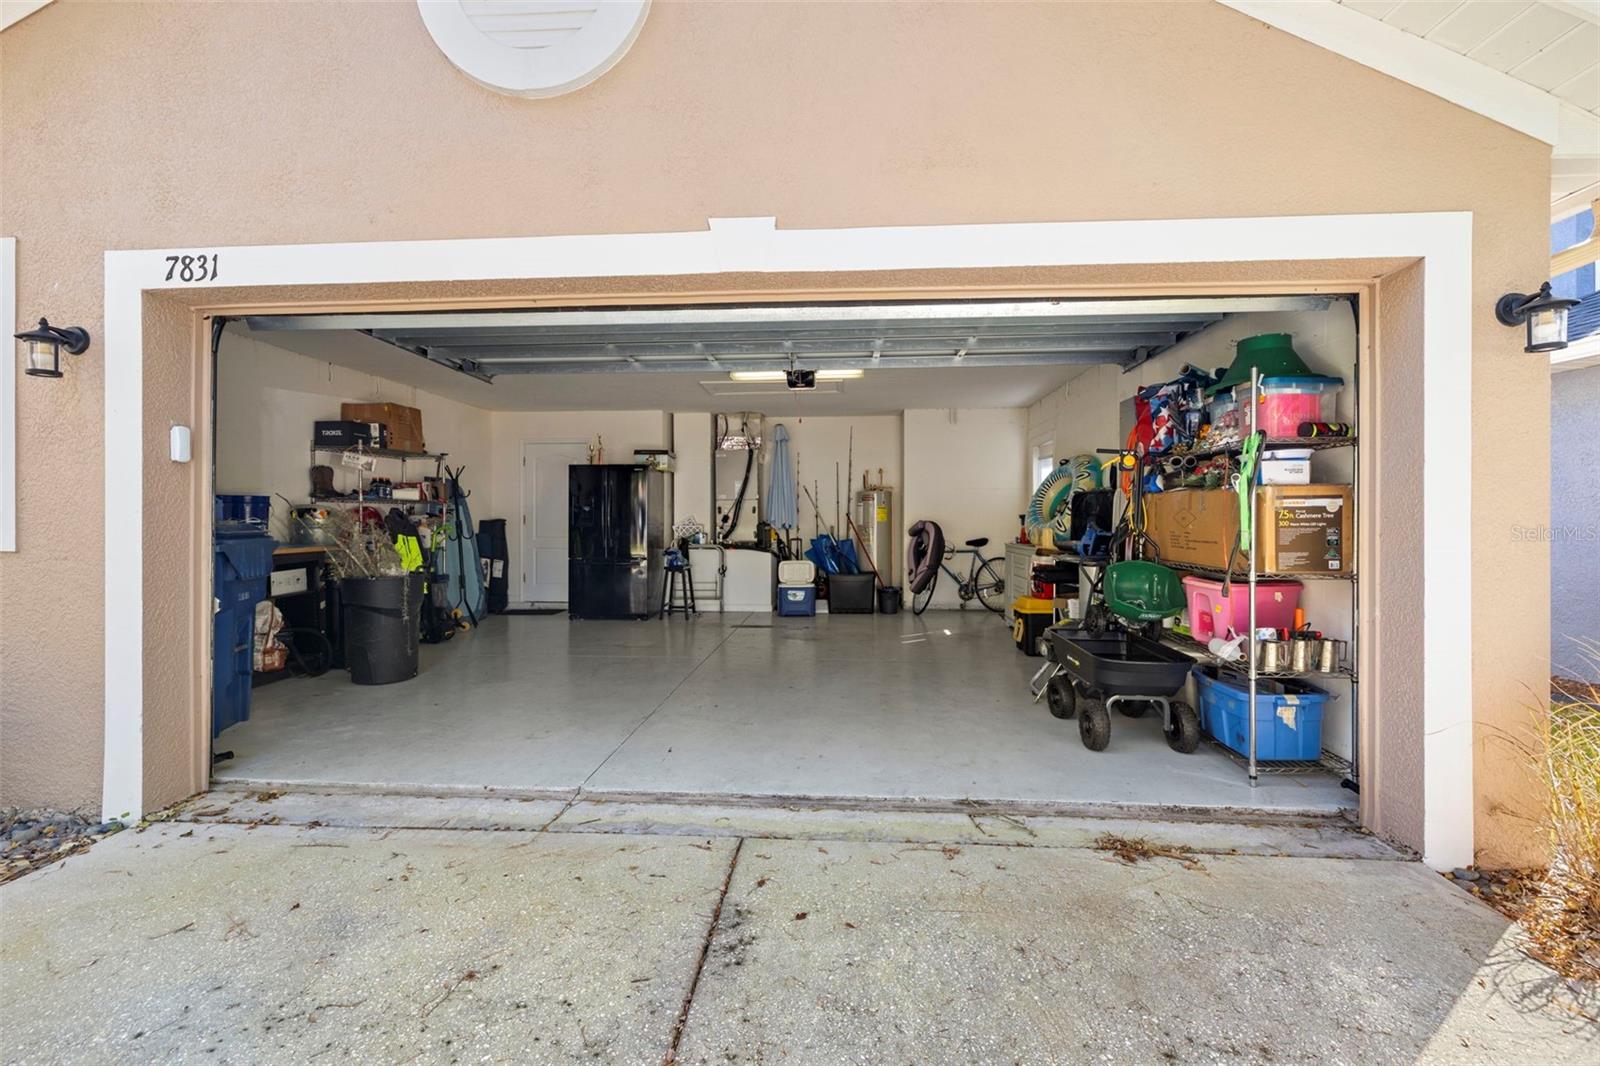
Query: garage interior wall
(619, 431)
(817, 443)
(967, 469)
(269, 398)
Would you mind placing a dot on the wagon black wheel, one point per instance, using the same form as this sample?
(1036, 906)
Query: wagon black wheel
(1094, 725)
(1129, 709)
(1183, 732)
(920, 600)
(1060, 696)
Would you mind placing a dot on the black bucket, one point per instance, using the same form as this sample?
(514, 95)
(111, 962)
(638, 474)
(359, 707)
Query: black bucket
(889, 599)
(382, 618)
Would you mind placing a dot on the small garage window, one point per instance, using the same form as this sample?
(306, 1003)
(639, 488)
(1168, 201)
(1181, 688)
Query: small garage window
(1044, 461)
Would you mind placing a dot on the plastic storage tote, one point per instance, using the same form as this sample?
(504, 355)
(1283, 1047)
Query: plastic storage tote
(1223, 414)
(1212, 614)
(851, 593)
(242, 568)
(797, 601)
(1288, 715)
(234, 514)
(1032, 617)
(1288, 401)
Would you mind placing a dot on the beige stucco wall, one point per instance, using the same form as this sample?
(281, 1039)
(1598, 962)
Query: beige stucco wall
(168, 125)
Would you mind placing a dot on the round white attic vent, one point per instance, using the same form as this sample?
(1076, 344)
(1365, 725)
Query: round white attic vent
(534, 48)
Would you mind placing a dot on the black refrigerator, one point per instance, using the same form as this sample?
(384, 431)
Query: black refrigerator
(616, 539)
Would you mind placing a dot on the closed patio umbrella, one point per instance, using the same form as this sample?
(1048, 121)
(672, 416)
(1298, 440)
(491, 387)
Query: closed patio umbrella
(783, 508)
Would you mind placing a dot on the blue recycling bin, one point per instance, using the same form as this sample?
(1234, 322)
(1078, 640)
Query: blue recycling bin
(243, 568)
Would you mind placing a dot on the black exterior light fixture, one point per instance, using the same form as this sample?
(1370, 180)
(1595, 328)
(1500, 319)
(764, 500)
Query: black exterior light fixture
(45, 344)
(1544, 314)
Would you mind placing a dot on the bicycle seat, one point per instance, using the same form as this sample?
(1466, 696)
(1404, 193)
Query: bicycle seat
(977, 542)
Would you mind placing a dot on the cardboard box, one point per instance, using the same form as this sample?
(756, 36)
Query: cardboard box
(1286, 471)
(1300, 529)
(1285, 466)
(1306, 529)
(1194, 526)
(404, 423)
(348, 434)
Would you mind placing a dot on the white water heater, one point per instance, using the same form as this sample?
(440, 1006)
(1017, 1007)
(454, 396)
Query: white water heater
(873, 513)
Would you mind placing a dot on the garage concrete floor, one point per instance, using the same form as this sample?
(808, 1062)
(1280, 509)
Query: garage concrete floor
(266, 928)
(889, 706)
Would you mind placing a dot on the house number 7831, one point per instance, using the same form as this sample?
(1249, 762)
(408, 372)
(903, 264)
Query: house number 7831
(192, 267)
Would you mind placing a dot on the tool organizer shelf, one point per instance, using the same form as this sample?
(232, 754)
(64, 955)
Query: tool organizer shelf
(361, 499)
(381, 453)
(1203, 654)
(371, 501)
(1253, 767)
(1328, 763)
(1312, 444)
(1220, 574)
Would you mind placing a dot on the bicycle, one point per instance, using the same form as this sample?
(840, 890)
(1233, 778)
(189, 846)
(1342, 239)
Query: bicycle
(983, 580)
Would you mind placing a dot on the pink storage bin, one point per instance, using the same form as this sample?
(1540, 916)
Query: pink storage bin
(1288, 401)
(1211, 614)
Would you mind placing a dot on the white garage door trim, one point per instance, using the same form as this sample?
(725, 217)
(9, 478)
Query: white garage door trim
(1442, 240)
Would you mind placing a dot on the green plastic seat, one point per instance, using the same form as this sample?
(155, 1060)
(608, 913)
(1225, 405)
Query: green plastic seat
(1141, 591)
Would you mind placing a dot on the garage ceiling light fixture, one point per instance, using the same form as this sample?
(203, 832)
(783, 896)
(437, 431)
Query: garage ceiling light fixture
(44, 345)
(1544, 314)
(835, 374)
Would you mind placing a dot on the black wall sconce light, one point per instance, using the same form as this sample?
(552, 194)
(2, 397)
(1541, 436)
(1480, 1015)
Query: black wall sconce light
(45, 344)
(1544, 314)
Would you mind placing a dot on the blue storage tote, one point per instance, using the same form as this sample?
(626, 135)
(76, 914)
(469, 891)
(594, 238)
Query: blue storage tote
(243, 567)
(234, 514)
(797, 601)
(1288, 715)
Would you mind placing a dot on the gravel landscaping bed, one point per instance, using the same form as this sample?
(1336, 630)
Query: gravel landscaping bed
(30, 839)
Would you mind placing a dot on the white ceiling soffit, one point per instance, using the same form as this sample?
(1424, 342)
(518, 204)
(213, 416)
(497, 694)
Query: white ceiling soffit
(14, 11)
(534, 48)
(1533, 66)
(700, 340)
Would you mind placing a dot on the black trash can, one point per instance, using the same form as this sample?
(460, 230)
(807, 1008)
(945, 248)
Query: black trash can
(889, 599)
(382, 619)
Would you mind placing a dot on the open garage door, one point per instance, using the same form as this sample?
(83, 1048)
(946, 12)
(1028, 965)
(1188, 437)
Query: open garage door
(948, 412)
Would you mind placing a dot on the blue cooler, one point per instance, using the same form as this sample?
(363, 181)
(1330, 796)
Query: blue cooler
(797, 589)
(243, 570)
(796, 601)
(1288, 715)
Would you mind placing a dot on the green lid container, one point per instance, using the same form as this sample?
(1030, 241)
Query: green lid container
(1273, 353)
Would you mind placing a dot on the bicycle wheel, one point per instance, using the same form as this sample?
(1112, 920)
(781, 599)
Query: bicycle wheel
(920, 600)
(991, 587)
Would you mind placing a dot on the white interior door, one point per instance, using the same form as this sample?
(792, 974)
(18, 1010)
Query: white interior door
(544, 518)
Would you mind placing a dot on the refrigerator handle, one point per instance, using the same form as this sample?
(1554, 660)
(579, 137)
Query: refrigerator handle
(640, 513)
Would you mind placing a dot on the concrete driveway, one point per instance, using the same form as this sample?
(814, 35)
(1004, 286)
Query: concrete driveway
(348, 928)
